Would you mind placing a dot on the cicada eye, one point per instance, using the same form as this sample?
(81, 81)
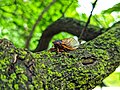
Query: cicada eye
(57, 42)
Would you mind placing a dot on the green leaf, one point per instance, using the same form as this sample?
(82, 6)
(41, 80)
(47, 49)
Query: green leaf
(115, 8)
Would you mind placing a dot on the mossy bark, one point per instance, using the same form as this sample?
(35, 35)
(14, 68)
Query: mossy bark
(81, 69)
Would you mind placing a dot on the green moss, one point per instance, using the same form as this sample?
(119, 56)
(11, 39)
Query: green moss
(71, 86)
(31, 87)
(13, 76)
(43, 66)
(16, 86)
(51, 71)
(3, 78)
(22, 53)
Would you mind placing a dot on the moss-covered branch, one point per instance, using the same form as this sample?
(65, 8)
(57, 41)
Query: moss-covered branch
(81, 69)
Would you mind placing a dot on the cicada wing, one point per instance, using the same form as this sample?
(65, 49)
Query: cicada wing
(76, 43)
(70, 42)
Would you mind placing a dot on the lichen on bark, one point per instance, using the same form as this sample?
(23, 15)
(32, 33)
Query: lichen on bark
(81, 69)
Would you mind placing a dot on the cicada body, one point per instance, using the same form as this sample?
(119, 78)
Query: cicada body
(67, 44)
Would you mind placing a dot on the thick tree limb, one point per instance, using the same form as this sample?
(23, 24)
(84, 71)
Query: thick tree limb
(69, 25)
(81, 69)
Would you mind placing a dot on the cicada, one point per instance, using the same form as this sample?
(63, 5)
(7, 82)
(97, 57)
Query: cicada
(67, 44)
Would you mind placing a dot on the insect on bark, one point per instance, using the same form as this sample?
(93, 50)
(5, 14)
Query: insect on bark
(67, 44)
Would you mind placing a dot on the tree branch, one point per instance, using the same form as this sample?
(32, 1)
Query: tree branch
(81, 69)
(36, 23)
(88, 21)
(69, 25)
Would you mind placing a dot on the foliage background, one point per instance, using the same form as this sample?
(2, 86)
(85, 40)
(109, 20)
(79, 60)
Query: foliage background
(17, 18)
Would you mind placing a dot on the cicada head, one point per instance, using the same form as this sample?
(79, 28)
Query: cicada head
(57, 43)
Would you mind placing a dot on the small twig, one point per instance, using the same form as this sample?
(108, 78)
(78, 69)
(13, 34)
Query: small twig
(36, 23)
(66, 8)
(7, 11)
(88, 21)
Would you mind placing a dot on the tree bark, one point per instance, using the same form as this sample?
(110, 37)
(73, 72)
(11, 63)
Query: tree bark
(81, 69)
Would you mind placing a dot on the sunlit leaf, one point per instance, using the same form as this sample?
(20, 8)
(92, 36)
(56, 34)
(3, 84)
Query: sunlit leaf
(115, 8)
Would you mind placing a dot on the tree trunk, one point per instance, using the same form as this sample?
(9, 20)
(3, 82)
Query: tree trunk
(81, 69)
